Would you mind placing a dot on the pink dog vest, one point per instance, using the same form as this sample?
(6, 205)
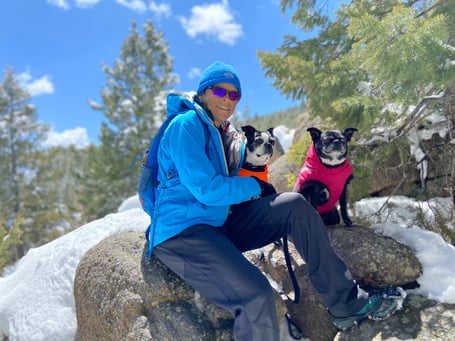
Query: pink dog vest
(334, 178)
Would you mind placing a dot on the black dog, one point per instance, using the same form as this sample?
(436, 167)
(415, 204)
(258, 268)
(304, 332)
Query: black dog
(326, 173)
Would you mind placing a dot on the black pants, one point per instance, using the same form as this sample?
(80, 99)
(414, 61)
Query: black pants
(211, 261)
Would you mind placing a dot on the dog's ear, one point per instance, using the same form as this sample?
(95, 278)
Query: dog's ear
(270, 130)
(348, 133)
(249, 132)
(315, 133)
(247, 129)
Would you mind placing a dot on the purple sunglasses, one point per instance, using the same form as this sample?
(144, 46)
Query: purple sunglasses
(221, 92)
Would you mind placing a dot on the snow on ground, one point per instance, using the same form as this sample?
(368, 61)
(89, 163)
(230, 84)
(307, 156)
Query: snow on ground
(36, 299)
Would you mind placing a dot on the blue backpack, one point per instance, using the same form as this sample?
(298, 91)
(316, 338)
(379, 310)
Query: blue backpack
(148, 181)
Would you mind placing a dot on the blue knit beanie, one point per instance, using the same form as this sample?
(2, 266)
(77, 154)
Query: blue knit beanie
(218, 72)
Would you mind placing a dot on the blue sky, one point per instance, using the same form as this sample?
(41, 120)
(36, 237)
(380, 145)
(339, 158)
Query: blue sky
(57, 48)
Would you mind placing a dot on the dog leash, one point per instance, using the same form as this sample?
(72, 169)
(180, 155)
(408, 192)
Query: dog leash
(294, 330)
(287, 258)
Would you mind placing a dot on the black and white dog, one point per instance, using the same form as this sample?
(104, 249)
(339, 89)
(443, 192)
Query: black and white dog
(258, 151)
(326, 173)
(248, 150)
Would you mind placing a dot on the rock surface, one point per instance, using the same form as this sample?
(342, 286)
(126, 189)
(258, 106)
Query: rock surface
(122, 295)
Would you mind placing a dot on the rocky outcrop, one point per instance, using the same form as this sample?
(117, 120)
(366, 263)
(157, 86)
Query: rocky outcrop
(122, 295)
(374, 261)
(421, 319)
(278, 172)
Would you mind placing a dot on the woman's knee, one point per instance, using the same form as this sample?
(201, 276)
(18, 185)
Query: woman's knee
(265, 289)
(259, 288)
(296, 203)
(260, 299)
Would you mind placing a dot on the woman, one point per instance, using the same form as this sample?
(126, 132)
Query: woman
(204, 219)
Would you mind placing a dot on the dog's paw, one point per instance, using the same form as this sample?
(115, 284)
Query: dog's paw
(347, 222)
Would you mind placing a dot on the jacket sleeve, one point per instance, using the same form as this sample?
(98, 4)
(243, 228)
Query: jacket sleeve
(201, 166)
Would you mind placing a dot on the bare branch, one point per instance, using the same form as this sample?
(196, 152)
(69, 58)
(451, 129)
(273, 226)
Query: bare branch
(418, 112)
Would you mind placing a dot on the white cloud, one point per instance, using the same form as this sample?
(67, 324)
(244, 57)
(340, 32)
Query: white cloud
(79, 3)
(86, 3)
(77, 137)
(36, 87)
(194, 73)
(41, 86)
(214, 20)
(162, 9)
(59, 3)
(135, 5)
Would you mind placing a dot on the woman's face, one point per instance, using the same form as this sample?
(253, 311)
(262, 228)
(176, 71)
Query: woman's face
(222, 107)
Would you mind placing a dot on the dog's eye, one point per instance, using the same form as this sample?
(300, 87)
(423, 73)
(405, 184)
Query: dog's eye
(272, 141)
(260, 140)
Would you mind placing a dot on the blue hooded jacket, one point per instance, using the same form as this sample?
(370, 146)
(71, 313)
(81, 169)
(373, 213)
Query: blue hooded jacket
(194, 182)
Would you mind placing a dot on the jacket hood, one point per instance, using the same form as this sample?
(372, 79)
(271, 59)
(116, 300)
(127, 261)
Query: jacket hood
(177, 104)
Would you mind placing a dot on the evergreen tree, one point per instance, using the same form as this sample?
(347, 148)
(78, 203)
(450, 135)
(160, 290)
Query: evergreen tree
(368, 54)
(56, 204)
(133, 105)
(9, 237)
(20, 139)
(97, 185)
(376, 64)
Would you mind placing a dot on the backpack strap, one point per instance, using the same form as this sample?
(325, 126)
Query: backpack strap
(152, 162)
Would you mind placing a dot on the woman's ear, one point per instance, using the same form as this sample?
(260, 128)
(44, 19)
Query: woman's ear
(202, 96)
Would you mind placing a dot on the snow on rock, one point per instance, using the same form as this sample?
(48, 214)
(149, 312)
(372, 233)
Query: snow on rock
(39, 302)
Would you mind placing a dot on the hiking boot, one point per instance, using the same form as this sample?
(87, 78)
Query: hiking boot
(381, 305)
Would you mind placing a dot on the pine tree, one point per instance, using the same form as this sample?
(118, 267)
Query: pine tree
(366, 55)
(133, 105)
(376, 64)
(20, 139)
(9, 237)
(56, 199)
